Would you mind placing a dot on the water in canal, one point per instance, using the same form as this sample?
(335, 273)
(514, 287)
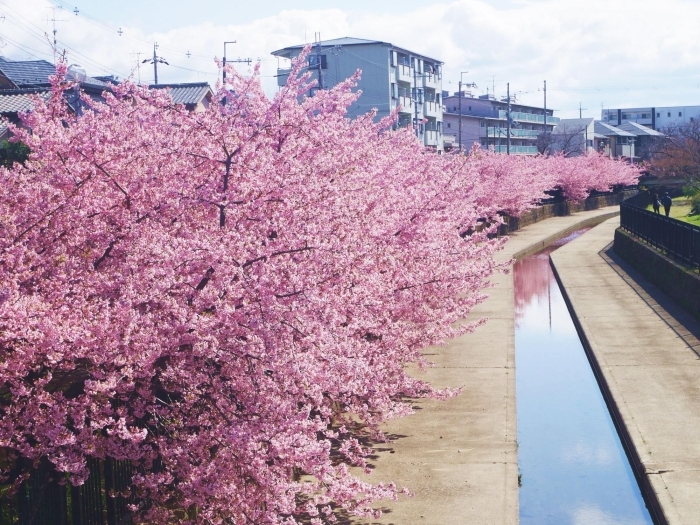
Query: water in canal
(573, 467)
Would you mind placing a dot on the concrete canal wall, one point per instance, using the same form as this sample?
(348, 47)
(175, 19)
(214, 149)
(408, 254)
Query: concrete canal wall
(644, 349)
(459, 457)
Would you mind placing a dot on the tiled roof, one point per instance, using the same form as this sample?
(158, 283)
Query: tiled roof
(192, 93)
(608, 130)
(35, 73)
(639, 130)
(27, 73)
(15, 102)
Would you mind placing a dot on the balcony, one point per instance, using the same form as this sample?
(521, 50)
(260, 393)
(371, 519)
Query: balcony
(514, 132)
(282, 76)
(624, 150)
(515, 150)
(404, 73)
(432, 138)
(431, 81)
(432, 109)
(528, 117)
(406, 104)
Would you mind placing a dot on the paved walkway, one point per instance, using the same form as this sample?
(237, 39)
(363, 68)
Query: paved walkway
(646, 351)
(459, 457)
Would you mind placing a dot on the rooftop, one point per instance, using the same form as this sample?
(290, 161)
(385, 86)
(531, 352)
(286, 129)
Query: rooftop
(608, 130)
(16, 101)
(35, 73)
(638, 129)
(288, 52)
(190, 93)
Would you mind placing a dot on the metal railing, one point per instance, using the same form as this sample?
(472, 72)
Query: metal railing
(678, 239)
(528, 117)
(517, 150)
(45, 498)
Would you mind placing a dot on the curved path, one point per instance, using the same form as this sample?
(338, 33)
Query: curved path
(459, 457)
(645, 351)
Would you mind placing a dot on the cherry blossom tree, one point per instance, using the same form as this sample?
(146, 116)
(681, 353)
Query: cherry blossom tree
(229, 299)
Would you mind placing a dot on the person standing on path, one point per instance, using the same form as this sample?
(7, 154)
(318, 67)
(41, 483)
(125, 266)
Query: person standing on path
(666, 201)
(655, 202)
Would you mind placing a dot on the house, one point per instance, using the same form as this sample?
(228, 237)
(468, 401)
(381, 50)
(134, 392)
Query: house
(15, 101)
(484, 120)
(644, 140)
(196, 96)
(392, 77)
(574, 136)
(613, 141)
(655, 118)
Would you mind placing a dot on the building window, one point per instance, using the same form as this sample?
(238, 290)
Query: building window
(470, 108)
(658, 115)
(482, 123)
(669, 113)
(393, 90)
(680, 114)
(449, 124)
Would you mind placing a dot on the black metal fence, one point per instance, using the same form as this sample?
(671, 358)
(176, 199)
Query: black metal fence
(678, 239)
(47, 498)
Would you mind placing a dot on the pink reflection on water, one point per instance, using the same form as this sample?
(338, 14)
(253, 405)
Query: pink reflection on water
(533, 277)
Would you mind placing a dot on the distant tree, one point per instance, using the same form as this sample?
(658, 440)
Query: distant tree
(677, 154)
(566, 139)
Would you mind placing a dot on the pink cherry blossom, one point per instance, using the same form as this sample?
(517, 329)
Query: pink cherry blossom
(233, 296)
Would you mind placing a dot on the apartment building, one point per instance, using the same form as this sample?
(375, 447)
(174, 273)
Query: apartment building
(485, 121)
(392, 77)
(656, 118)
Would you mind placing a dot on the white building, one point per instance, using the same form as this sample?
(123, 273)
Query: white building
(652, 117)
(391, 77)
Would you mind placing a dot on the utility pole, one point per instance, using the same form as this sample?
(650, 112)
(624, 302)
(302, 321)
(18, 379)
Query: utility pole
(580, 110)
(508, 122)
(460, 113)
(223, 76)
(545, 109)
(415, 95)
(471, 84)
(319, 63)
(155, 61)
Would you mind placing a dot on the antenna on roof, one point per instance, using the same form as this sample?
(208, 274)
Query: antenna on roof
(138, 64)
(54, 20)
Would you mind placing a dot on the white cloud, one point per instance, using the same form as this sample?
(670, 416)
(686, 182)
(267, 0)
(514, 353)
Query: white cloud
(629, 52)
(591, 514)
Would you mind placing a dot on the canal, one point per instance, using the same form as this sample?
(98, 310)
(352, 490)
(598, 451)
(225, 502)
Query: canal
(573, 468)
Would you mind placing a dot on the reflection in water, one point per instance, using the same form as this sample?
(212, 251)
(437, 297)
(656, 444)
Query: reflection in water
(574, 470)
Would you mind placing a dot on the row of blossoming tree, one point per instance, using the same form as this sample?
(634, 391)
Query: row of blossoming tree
(234, 295)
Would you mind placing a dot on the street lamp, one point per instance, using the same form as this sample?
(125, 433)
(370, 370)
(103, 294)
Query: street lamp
(78, 75)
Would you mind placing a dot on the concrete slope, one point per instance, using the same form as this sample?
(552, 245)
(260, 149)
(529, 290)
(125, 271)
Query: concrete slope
(459, 457)
(643, 348)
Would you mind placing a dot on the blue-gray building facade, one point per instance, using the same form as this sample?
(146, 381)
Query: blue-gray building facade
(392, 77)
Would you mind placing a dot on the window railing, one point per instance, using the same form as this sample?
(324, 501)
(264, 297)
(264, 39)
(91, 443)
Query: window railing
(503, 132)
(517, 150)
(529, 117)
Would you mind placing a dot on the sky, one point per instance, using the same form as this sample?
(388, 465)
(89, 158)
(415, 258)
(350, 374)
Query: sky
(594, 54)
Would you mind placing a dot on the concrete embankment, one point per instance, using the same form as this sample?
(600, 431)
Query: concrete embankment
(644, 351)
(459, 457)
